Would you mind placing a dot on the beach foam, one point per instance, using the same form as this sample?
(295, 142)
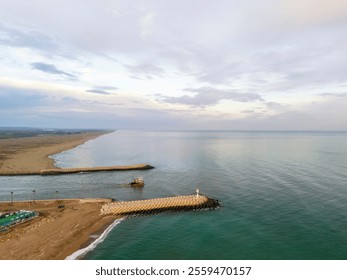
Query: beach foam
(78, 254)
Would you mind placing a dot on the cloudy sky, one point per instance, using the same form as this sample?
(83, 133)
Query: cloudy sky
(183, 64)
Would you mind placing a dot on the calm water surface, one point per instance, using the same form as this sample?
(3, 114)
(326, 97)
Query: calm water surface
(284, 194)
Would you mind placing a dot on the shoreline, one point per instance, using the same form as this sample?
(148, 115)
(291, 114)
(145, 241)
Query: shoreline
(56, 233)
(29, 154)
(92, 243)
(64, 227)
(68, 230)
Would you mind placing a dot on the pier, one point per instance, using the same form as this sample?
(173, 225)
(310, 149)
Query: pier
(61, 171)
(152, 206)
(57, 171)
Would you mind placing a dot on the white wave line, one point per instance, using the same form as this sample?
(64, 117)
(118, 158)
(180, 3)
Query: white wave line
(81, 252)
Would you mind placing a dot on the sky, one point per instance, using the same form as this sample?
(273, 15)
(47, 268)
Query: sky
(183, 64)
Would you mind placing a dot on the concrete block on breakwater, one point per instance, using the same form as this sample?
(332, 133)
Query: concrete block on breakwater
(151, 206)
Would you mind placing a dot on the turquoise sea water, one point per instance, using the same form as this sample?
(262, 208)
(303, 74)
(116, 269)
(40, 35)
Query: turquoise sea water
(284, 194)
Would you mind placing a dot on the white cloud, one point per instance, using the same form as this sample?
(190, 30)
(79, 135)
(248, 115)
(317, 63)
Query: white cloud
(234, 60)
(314, 11)
(207, 96)
(147, 25)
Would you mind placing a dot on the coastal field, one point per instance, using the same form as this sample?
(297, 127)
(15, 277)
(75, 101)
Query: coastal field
(29, 154)
(57, 232)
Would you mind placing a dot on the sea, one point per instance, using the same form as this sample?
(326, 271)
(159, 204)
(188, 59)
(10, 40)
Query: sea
(283, 194)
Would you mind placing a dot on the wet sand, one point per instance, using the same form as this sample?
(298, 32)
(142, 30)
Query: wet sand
(56, 233)
(30, 154)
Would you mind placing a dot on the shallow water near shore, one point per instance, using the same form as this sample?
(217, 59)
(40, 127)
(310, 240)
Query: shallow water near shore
(284, 194)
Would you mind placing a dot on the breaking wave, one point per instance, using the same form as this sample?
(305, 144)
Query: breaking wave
(81, 252)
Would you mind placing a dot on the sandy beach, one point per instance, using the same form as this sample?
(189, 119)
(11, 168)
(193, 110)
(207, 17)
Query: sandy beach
(57, 232)
(29, 154)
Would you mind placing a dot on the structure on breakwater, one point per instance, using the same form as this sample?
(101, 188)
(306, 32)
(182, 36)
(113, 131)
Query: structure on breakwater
(60, 171)
(151, 206)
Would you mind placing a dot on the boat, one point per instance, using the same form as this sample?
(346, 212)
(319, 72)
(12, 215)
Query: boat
(137, 182)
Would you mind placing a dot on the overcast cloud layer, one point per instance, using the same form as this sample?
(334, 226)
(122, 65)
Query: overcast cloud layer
(192, 64)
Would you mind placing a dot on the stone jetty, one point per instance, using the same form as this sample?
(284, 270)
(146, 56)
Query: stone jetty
(61, 171)
(156, 205)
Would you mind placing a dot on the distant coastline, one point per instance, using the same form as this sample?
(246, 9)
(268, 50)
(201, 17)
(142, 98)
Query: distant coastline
(68, 229)
(22, 132)
(29, 154)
